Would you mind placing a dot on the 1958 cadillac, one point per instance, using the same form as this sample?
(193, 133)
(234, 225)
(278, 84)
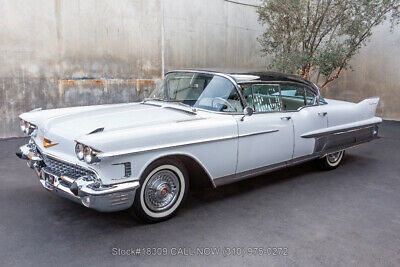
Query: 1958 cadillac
(199, 126)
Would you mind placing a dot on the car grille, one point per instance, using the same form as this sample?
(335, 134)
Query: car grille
(61, 168)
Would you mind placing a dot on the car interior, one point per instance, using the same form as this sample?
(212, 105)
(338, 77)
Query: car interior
(268, 98)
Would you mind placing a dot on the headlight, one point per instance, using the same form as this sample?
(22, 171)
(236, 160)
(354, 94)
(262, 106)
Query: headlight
(86, 153)
(22, 125)
(79, 151)
(90, 155)
(27, 127)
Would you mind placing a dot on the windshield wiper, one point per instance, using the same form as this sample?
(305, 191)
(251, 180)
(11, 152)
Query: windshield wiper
(153, 99)
(193, 109)
(185, 105)
(146, 100)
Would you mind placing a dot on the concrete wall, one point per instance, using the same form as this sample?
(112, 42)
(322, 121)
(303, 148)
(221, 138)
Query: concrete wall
(42, 42)
(57, 53)
(48, 46)
(211, 33)
(375, 72)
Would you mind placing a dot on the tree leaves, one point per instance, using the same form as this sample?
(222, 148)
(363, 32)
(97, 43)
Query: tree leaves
(320, 36)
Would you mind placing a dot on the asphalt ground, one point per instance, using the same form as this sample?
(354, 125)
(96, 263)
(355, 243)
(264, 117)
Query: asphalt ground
(345, 217)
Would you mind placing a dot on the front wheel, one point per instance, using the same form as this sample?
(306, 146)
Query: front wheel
(330, 161)
(164, 186)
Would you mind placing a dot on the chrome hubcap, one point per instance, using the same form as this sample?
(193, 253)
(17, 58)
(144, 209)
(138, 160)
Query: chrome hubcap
(334, 157)
(161, 190)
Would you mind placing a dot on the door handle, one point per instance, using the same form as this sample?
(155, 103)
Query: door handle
(322, 113)
(286, 118)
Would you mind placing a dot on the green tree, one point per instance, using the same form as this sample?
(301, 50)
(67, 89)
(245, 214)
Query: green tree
(318, 37)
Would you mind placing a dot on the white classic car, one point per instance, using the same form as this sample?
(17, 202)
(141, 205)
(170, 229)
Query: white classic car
(198, 127)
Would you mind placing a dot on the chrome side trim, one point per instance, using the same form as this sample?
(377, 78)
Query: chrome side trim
(248, 174)
(302, 159)
(262, 170)
(146, 149)
(207, 140)
(258, 133)
(340, 131)
(339, 141)
(190, 119)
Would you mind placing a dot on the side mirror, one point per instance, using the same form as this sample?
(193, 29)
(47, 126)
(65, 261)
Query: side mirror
(247, 112)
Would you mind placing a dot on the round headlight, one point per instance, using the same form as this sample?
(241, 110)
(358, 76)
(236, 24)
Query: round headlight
(27, 127)
(87, 152)
(22, 125)
(79, 151)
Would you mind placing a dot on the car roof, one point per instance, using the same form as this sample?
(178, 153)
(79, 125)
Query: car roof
(243, 76)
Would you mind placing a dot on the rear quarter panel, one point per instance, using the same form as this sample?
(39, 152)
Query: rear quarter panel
(342, 112)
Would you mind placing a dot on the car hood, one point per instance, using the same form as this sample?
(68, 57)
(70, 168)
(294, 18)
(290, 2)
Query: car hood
(128, 128)
(79, 121)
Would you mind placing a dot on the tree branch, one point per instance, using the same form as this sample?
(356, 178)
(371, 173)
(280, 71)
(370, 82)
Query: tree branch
(331, 79)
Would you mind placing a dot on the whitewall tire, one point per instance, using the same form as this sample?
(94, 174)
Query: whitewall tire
(331, 161)
(163, 188)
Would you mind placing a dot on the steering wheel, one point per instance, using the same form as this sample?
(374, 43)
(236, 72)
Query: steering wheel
(224, 101)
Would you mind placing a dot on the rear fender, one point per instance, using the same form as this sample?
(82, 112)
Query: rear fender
(368, 107)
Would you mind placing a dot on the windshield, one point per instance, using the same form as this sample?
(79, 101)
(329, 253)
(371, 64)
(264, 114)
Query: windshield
(199, 90)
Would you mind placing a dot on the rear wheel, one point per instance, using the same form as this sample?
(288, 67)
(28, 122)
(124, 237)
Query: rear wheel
(164, 186)
(330, 161)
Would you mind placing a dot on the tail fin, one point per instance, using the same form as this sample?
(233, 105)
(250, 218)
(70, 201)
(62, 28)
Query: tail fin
(368, 106)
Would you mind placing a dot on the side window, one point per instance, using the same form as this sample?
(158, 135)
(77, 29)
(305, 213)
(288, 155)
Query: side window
(248, 95)
(266, 98)
(322, 100)
(263, 97)
(234, 102)
(311, 98)
(292, 96)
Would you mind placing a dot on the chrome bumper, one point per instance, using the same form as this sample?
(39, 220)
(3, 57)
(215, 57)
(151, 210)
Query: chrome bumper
(86, 190)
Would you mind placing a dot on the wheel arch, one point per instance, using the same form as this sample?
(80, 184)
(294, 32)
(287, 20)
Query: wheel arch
(198, 174)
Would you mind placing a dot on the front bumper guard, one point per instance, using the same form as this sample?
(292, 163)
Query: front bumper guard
(88, 191)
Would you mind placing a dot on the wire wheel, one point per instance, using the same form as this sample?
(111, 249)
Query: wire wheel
(334, 157)
(161, 190)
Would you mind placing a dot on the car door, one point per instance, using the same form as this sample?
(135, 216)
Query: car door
(300, 104)
(265, 138)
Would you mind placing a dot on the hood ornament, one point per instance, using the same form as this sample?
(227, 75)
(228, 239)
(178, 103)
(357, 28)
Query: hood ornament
(48, 143)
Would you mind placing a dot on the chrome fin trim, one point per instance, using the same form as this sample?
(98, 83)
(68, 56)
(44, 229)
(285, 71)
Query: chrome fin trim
(343, 128)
